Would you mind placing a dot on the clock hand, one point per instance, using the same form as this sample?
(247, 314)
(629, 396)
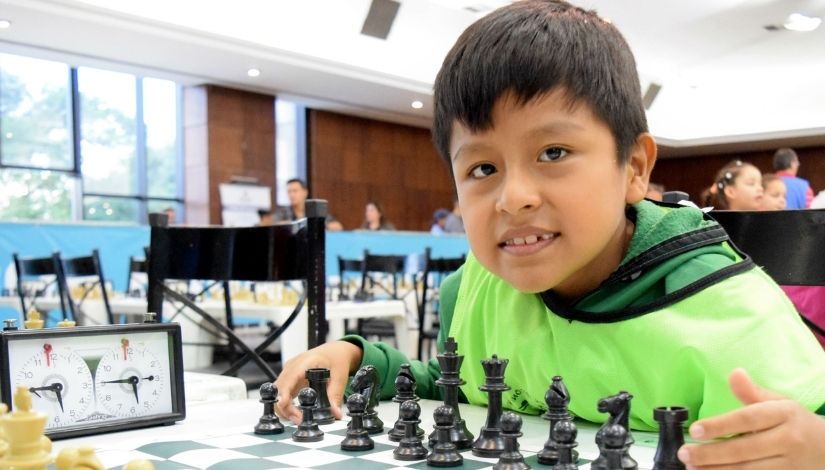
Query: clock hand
(127, 380)
(134, 390)
(57, 389)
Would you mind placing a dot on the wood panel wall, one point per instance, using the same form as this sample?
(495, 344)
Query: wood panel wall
(694, 174)
(227, 133)
(353, 160)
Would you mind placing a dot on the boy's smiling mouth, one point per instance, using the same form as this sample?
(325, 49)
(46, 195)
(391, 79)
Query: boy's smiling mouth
(524, 244)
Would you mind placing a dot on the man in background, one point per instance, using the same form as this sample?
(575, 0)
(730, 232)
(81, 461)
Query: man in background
(786, 165)
(297, 192)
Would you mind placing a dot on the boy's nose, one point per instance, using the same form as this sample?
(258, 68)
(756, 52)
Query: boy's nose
(519, 192)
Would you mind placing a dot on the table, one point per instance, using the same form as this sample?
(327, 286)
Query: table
(221, 433)
(293, 341)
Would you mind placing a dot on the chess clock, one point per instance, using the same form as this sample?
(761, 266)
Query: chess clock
(96, 379)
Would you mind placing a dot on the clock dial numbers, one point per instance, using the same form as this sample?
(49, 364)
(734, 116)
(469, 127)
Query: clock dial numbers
(60, 383)
(129, 380)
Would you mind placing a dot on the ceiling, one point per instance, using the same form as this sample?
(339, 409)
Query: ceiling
(727, 83)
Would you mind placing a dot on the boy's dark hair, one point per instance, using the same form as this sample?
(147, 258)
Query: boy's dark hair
(531, 48)
(784, 158)
(297, 180)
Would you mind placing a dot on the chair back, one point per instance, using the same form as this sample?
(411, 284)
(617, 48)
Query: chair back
(31, 283)
(348, 269)
(136, 266)
(391, 265)
(787, 245)
(85, 266)
(435, 270)
(271, 253)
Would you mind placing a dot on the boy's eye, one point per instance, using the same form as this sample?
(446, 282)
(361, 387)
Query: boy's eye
(552, 154)
(480, 171)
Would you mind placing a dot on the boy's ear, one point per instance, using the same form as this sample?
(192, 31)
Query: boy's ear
(639, 165)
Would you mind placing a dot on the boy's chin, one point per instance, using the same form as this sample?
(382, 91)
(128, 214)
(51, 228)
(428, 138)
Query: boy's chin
(528, 286)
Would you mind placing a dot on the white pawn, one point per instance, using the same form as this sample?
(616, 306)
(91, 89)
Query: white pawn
(28, 448)
(82, 458)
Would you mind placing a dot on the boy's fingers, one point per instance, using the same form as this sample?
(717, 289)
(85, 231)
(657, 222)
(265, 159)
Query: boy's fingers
(752, 418)
(748, 392)
(741, 449)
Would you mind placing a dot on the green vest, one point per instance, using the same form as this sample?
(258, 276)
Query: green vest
(677, 355)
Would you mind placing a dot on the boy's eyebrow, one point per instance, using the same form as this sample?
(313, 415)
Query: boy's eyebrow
(469, 146)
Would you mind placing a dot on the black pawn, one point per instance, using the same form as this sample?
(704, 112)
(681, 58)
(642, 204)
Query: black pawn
(404, 390)
(490, 443)
(511, 458)
(308, 429)
(611, 449)
(268, 422)
(671, 437)
(445, 453)
(564, 433)
(357, 437)
(557, 399)
(318, 379)
(410, 447)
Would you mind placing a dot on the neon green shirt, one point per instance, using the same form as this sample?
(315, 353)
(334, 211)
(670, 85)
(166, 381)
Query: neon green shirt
(681, 311)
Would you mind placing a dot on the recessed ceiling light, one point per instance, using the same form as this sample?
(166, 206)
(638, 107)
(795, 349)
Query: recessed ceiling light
(417, 104)
(5, 24)
(800, 22)
(253, 72)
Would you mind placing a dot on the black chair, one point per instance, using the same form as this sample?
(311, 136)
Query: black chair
(85, 267)
(788, 245)
(31, 283)
(435, 270)
(376, 271)
(136, 266)
(348, 271)
(272, 253)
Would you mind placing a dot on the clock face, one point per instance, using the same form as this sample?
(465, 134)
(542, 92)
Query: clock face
(60, 384)
(118, 374)
(131, 380)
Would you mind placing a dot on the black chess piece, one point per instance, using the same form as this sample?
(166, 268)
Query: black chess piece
(318, 379)
(450, 363)
(308, 430)
(269, 422)
(357, 437)
(564, 433)
(365, 382)
(490, 442)
(557, 399)
(404, 390)
(510, 458)
(618, 407)
(611, 449)
(671, 437)
(445, 453)
(410, 447)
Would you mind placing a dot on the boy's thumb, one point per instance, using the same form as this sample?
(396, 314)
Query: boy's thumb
(748, 392)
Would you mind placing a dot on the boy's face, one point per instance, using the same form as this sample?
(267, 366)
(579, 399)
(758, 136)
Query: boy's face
(543, 195)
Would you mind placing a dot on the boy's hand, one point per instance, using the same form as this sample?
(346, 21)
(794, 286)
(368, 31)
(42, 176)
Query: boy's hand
(770, 432)
(340, 357)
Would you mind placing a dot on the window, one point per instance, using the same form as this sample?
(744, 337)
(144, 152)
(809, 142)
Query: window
(119, 159)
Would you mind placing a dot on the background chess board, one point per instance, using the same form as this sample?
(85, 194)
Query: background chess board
(219, 436)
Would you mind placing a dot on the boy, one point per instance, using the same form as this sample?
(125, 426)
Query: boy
(539, 113)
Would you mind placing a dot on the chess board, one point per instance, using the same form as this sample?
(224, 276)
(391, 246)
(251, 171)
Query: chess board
(219, 436)
(239, 448)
